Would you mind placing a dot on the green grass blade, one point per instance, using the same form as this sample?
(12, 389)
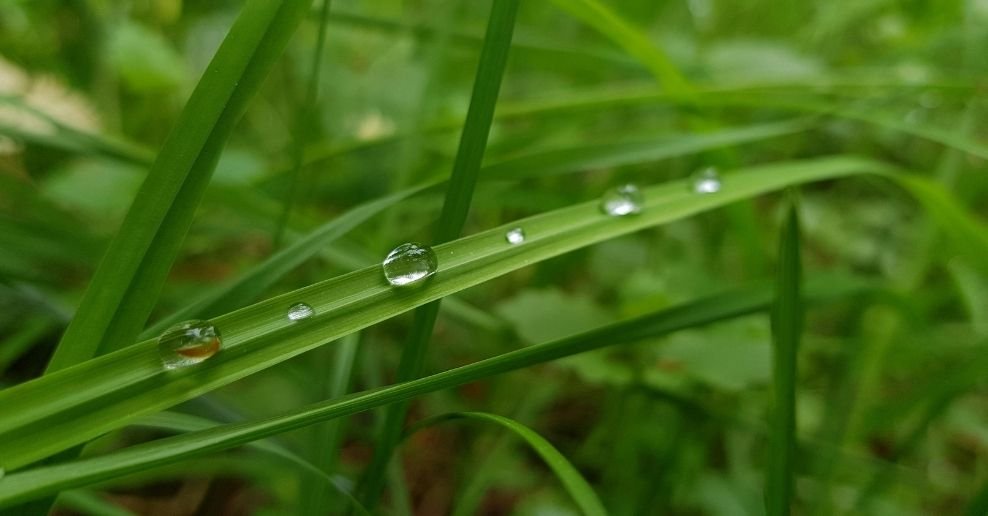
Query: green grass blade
(125, 287)
(184, 423)
(632, 40)
(20, 486)
(303, 118)
(456, 207)
(574, 483)
(52, 413)
(787, 326)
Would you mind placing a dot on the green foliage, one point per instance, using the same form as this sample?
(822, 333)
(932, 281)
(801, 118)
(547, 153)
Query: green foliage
(229, 159)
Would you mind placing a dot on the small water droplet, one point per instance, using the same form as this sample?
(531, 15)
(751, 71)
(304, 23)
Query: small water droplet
(409, 263)
(621, 201)
(515, 236)
(188, 343)
(300, 311)
(706, 181)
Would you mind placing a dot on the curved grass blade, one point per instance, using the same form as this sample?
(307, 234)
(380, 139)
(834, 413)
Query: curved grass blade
(54, 412)
(20, 486)
(787, 323)
(176, 422)
(568, 475)
(124, 288)
(608, 23)
(456, 207)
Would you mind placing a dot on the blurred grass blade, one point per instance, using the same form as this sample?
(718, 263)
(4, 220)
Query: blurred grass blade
(125, 287)
(70, 407)
(20, 486)
(456, 206)
(568, 475)
(603, 155)
(632, 40)
(90, 504)
(177, 422)
(787, 323)
(304, 115)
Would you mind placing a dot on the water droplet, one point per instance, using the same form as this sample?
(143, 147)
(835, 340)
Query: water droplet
(188, 343)
(515, 236)
(621, 201)
(410, 263)
(706, 181)
(300, 311)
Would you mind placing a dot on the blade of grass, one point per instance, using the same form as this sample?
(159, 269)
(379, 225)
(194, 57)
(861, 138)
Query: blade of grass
(633, 41)
(456, 207)
(787, 326)
(304, 116)
(574, 483)
(46, 415)
(125, 286)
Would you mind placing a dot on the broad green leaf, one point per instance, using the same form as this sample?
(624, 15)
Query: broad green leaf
(568, 475)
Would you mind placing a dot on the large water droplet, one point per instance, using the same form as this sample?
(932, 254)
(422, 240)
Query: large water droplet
(515, 236)
(188, 343)
(410, 263)
(300, 311)
(706, 181)
(621, 201)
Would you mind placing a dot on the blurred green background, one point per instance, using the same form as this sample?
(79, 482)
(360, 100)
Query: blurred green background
(893, 413)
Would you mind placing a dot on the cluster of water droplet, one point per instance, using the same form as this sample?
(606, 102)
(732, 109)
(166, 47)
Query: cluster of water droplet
(192, 342)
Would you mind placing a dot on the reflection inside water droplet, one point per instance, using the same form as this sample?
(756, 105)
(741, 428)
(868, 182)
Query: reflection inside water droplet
(188, 343)
(515, 236)
(621, 201)
(706, 181)
(300, 311)
(409, 264)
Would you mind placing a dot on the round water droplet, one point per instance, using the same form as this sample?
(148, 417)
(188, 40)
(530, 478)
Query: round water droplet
(300, 311)
(621, 201)
(188, 343)
(706, 181)
(515, 236)
(410, 263)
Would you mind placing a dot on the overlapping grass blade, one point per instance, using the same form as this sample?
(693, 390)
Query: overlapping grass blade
(574, 483)
(126, 285)
(787, 327)
(456, 207)
(105, 393)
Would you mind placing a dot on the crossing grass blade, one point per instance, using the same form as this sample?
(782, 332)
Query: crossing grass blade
(125, 287)
(574, 483)
(787, 323)
(456, 207)
(57, 411)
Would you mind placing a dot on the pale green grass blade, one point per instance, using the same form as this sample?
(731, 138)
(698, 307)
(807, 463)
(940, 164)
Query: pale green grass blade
(787, 324)
(105, 393)
(90, 504)
(574, 483)
(125, 287)
(456, 206)
(632, 40)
